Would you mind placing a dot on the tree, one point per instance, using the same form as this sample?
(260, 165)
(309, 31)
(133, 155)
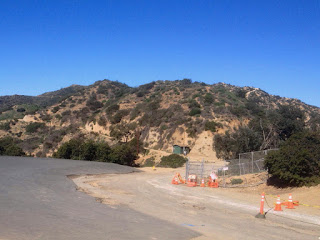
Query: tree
(297, 162)
(211, 126)
(78, 149)
(70, 150)
(14, 150)
(5, 126)
(123, 131)
(124, 154)
(186, 81)
(102, 152)
(208, 99)
(34, 127)
(195, 111)
(88, 151)
(291, 121)
(229, 145)
(9, 147)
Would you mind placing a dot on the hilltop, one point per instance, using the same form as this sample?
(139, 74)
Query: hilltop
(215, 121)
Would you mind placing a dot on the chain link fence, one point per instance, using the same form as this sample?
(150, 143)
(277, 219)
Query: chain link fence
(201, 169)
(251, 162)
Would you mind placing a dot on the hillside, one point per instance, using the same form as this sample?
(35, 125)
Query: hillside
(43, 100)
(206, 118)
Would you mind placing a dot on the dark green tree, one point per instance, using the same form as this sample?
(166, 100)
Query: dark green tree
(9, 147)
(88, 151)
(70, 150)
(229, 145)
(124, 154)
(102, 152)
(208, 99)
(291, 121)
(297, 162)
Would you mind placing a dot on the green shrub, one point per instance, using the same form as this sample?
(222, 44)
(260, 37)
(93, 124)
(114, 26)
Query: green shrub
(34, 127)
(79, 149)
(66, 113)
(195, 111)
(69, 150)
(119, 115)
(46, 117)
(124, 154)
(194, 104)
(31, 109)
(102, 121)
(55, 109)
(241, 93)
(297, 163)
(236, 181)
(9, 147)
(172, 161)
(112, 108)
(102, 152)
(5, 126)
(92, 102)
(186, 81)
(140, 94)
(208, 99)
(14, 150)
(58, 116)
(197, 95)
(238, 111)
(102, 89)
(211, 126)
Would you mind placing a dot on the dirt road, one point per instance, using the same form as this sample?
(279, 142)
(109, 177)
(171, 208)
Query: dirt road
(214, 213)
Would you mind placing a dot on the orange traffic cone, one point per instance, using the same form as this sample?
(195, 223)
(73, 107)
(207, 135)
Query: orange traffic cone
(290, 202)
(278, 204)
(202, 183)
(175, 180)
(261, 213)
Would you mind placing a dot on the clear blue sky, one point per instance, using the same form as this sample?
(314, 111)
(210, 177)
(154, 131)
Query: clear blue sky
(272, 45)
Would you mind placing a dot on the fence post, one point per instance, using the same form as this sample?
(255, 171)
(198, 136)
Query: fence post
(224, 177)
(239, 164)
(251, 162)
(187, 168)
(202, 167)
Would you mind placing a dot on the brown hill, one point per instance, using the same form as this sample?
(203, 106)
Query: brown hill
(163, 113)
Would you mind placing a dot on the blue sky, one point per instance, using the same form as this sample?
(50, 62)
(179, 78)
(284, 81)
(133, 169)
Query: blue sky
(272, 45)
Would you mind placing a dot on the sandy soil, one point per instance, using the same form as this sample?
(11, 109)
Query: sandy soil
(152, 193)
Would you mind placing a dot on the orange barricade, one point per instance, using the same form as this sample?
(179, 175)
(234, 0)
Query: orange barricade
(192, 180)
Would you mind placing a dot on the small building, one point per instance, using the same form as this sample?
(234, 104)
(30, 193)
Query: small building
(180, 149)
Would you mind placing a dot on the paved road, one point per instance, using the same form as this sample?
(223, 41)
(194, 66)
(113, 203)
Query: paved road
(38, 201)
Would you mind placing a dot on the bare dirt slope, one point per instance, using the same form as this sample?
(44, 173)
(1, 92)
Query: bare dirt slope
(215, 213)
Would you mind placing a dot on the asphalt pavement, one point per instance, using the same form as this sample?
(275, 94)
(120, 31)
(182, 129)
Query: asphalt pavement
(38, 201)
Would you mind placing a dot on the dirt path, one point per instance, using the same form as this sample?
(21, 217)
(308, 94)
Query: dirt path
(215, 213)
